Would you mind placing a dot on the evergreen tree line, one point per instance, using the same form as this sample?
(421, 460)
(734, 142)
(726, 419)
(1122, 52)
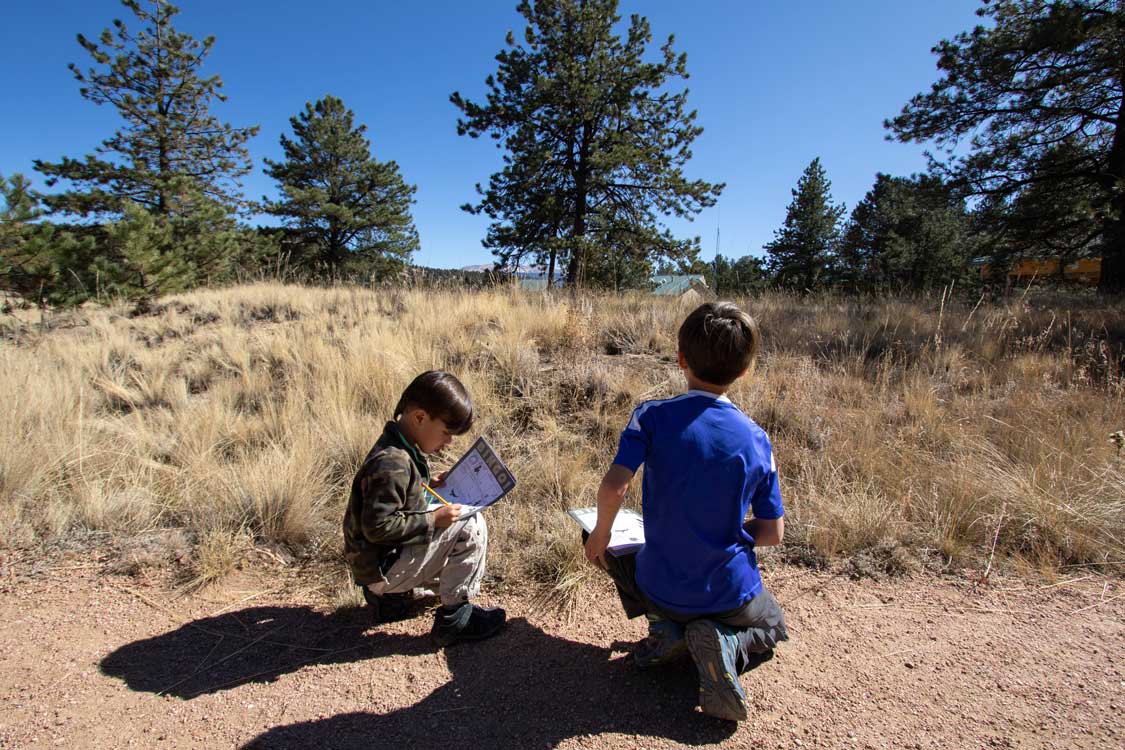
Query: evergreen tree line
(158, 208)
(908, 234)
(1027, 116)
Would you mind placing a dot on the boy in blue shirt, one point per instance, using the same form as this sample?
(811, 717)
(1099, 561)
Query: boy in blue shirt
(707, 465)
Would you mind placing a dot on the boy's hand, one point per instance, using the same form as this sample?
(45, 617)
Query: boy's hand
(439, 480)
(595, 546)
(447, 515)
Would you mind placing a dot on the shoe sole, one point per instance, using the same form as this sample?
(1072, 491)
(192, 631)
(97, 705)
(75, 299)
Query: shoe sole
(720, 692)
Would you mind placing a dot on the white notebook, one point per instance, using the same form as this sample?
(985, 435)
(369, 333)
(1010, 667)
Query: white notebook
(627, 535)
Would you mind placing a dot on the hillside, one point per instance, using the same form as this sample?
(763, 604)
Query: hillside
(910, 434)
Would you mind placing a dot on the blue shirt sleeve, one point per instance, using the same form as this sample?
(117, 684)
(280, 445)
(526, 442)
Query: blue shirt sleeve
(766, 502)
(633, 447)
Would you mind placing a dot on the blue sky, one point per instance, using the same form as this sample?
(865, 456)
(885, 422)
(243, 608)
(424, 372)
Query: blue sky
(775, 84)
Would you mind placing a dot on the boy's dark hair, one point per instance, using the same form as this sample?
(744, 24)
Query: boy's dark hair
(718, 341)
(441, 395)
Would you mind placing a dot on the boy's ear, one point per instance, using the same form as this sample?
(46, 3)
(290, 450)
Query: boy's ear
(680, 359)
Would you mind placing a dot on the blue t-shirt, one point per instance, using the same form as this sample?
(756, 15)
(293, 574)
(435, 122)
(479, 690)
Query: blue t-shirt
(706, 463)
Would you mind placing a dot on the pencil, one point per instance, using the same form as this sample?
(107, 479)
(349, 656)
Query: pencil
(435, 494)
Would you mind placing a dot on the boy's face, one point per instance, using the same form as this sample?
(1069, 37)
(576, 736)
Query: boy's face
(429, 433)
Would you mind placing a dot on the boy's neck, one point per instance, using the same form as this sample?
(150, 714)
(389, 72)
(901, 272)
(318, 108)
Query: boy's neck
(415, 452)
(695, 384)
(404, 427)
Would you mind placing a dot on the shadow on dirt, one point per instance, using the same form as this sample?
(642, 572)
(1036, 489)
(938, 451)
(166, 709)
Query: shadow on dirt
(524, 688)
(258, 644)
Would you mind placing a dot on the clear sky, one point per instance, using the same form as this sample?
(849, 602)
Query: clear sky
(775, 83)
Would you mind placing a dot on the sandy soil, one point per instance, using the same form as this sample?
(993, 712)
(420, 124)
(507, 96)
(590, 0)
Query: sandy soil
(262, 661)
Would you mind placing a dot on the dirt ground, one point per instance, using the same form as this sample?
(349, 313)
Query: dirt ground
(91, 660)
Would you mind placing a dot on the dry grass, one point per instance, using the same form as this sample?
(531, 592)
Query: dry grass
(216, 555)
(919, 425)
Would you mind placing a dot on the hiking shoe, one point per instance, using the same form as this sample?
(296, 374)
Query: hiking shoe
(466, 622)
(664, 644)
(714, 649)
(388, 607)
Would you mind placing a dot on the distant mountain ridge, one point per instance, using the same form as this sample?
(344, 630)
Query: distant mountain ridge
(524, 272)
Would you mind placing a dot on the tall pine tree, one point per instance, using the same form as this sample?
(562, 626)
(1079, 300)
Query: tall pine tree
(595, 137)
(172, 152)
(802, 248)
(172, 159)
(344, 211)
(1037, 97)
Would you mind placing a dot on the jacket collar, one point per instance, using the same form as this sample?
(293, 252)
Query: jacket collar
(392, 435)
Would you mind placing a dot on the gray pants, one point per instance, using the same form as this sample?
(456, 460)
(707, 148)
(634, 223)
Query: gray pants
(454, 560)
(759, 624)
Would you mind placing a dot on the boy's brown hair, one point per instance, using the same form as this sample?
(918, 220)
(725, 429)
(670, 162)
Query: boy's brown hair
(441, 395)
(718, 341)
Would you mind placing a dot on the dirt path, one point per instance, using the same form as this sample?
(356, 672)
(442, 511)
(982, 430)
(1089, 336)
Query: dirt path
(108, 661)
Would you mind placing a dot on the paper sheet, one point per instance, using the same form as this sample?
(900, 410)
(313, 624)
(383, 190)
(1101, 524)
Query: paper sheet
(477, 480)
(628, 531)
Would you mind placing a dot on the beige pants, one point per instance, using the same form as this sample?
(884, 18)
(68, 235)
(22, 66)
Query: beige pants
(454, 559)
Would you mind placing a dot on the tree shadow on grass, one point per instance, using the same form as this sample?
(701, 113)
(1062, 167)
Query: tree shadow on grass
(523, 688)
(258, 644)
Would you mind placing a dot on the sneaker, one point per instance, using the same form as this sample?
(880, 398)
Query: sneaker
(714, 649)
(466, 622)
(664, 644)
(388, 607)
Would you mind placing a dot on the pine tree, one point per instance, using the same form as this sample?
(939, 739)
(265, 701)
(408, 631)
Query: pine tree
(1047, 219)
(907, 233)
(728, 277)
(172, 159)
(23, 264)
(343, 209)
(137, 256)
(171, 151)
(20, 209)
(1041, 75)
(38, 259)
(138, 260)
(595, 140)
(802, 249)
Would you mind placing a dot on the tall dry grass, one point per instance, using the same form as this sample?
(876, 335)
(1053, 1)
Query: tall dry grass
(904, 429)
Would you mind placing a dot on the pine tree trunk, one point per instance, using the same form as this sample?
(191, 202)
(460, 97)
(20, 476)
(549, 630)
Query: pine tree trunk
(163, 204)
(1113, 248)
(578, 256)
(1113, 257)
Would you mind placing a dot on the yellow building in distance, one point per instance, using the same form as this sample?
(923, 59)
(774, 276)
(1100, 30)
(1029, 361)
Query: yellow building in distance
(1082, 271)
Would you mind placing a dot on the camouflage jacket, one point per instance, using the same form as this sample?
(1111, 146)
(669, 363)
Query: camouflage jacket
(387, 507)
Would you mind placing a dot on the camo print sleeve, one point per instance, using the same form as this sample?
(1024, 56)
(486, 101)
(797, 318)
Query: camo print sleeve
(393, 509)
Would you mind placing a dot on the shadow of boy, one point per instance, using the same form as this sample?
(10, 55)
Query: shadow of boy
(525, 689)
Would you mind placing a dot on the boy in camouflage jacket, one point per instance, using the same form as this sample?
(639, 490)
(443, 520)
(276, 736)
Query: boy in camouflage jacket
(394, 542)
